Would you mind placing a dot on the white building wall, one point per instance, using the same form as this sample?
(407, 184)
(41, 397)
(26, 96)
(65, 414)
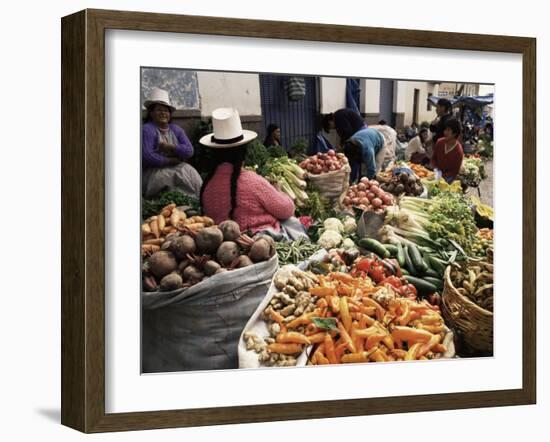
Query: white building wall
(333, 94)
(406, 95)
(218, 89)
(370, 96)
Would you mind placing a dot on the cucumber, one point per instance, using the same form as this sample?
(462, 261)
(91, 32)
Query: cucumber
(374, 246)
(400, 255)
(423, 286)
(433, 273)
(408, 263)
(416, 258)
(438, 265)
(435, 281)
(392, 248)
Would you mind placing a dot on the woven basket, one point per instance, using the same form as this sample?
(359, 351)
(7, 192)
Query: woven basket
(473, 322)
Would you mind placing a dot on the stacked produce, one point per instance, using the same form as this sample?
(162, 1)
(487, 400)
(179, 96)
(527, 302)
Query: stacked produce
(435, 187)
(189, 253)
(289, 177)
(421, 171)
(368, 195)
(150, 207)
(483, 242)
(294, 252)
(350, 320)
(324, 162)
(443, 222)
(334, 230)
(472, 171)
(403, 183)
(169, 220)
(419, 267)
(286, 340)
(475, 281)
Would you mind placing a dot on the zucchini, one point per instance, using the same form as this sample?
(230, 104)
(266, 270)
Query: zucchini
(408, 263)
(374, 246)
(433, 274)
(435, 281)
(392, 248)
(421, 285)
(437, 264)
(400, 255)
(416, 258)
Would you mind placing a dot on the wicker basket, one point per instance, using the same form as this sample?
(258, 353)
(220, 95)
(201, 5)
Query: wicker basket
(474, 323)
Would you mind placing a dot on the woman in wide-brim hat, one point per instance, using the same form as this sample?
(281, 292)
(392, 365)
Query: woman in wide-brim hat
(165, 147)
(231, 192)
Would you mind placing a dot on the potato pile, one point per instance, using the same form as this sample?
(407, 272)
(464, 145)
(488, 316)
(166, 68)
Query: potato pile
(403, 183)
(179, 252)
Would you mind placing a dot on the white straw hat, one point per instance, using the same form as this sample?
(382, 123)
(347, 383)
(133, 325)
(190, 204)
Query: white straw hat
(159, 96)
(228, 131)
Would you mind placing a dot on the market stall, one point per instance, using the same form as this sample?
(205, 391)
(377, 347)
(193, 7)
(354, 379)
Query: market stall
(396, 268)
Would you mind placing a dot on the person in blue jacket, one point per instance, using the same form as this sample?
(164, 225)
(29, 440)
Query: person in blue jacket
(362, 144)
(347, 123)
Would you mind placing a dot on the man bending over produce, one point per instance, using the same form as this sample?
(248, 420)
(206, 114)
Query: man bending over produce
(361, 144)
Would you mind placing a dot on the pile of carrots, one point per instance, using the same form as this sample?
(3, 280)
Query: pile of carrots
(355, 321)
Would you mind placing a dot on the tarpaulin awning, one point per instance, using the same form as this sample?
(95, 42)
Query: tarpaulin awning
(468, 100)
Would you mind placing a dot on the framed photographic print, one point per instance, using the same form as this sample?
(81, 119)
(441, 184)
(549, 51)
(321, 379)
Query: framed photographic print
(250, 208)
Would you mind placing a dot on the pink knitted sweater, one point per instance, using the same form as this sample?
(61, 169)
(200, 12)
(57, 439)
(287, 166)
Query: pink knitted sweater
(259, 204)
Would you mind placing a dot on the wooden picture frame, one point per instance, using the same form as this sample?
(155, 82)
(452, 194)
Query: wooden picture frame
(83, 215)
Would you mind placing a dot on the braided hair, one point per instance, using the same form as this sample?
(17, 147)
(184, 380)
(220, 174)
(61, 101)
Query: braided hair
(234, 156)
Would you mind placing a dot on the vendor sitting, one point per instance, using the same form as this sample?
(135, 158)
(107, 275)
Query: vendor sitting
(164, 148)
(231, 192)
(448, 154)
(419, 150)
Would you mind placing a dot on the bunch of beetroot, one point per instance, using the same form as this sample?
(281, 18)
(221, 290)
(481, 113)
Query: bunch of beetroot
(187, 257)
(368, 195)
(324, 162)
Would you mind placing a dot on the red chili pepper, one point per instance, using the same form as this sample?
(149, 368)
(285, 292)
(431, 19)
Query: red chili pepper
(394, 281)
(377, 273)
(364, 265)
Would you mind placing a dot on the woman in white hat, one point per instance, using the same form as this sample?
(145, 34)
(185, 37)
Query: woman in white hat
(164, 148)
(231, 192)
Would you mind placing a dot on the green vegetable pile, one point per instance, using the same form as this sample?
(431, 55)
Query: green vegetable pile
(154, 206)
(294, 252)
(316, 206)
(289, 177)
(439, 223)
(258, 156)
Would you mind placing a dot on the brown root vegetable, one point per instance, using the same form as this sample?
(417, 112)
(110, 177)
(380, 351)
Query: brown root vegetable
(227, 252)
(182, 265)
(191, 273)
(162, 263)
(242, 261)
(149, 284)
(170, 282)
(183, 245)
(211, 267)
(230, 230)
(208, 240)
(261, 250)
